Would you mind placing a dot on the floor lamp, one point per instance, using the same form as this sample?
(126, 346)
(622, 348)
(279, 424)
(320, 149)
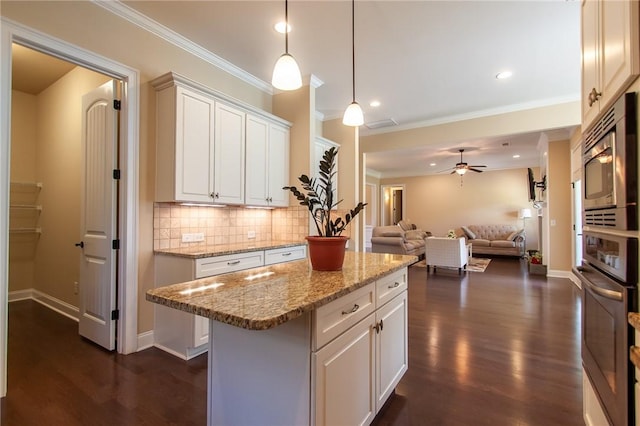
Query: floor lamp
(524, 214)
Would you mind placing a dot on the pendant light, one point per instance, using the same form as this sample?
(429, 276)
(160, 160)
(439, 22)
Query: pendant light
(286, 73)
(353, 115)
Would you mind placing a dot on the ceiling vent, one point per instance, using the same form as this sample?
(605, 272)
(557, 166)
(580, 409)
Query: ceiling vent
(381, 123)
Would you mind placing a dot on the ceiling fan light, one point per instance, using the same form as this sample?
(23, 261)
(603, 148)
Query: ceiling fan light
(353, 115)
(286, 73)
(461, 171)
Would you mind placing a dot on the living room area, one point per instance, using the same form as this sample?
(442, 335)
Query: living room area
(439, 203)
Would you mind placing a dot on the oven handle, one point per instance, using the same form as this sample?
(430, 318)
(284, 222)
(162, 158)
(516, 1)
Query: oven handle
(604, 292)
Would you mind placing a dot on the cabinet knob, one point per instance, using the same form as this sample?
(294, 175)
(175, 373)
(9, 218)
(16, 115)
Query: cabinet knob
(594, 95)
(80, 244)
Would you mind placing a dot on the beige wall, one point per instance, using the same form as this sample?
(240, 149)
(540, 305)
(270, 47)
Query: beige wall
(89, 26)
(22, 246)
(559, 255)
(59, 168)
(439, 203)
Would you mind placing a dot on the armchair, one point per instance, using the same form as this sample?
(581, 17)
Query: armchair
(450, 252)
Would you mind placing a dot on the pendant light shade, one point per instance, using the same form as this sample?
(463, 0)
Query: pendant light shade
(353, 115)
(286, 73)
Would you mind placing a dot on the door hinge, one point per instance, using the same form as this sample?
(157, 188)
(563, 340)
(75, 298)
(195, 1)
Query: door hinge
(115, 314)
(116, 173)
(116, 104)
(115, 244)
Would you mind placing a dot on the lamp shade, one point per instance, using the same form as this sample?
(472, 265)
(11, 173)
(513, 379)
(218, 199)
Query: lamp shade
(524, 213)
(286, 73)
(353, 115)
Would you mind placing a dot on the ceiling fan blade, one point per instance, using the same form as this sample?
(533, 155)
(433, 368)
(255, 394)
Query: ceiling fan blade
(477, 166)
(475, 170)
(452, 172)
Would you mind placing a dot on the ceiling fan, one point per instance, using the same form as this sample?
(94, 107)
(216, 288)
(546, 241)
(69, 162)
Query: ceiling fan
(462, 167)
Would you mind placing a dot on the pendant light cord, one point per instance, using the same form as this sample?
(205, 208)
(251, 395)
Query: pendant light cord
(353, 48)
(286, 27)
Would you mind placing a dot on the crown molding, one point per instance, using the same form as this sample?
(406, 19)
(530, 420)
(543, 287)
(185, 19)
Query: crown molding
(136, 18)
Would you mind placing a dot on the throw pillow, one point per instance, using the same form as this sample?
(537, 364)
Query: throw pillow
(467, 231)
(514, 235)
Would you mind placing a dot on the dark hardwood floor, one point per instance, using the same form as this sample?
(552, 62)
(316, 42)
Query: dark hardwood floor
(495, 348)
(500, 347)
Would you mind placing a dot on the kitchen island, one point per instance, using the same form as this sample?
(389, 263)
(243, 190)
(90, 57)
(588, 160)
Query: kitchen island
(293, 346)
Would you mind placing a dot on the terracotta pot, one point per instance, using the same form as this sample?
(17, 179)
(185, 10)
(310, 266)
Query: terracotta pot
(326, 253)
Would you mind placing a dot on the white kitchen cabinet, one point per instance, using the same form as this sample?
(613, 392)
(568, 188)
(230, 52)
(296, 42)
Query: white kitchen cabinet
(392, 355)
(361, 351)
(267, 163)
(185, 133)
(229, 150)
(201, 139)
(186, 335)
(284, 254)
(610, 53)
(345, 377)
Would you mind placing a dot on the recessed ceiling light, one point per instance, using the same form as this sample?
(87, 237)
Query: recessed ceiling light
(374, 104)
(503, 74)
(432, 164)
(280, 26)
(516, 156)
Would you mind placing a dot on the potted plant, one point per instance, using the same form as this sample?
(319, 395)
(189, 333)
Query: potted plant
(326, 250)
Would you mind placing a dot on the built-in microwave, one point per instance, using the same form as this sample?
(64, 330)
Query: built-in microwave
(610, 170)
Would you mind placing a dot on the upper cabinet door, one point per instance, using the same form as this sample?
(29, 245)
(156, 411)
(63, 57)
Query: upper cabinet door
(610, 53)
(184, 153)
(278, 167)
(229, 155)
(256, 191)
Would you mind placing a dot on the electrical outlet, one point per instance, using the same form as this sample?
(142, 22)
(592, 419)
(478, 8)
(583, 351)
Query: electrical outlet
(251, 234)
(192, 238)
(75, 287)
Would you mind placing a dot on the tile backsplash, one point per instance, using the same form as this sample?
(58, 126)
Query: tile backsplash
(226, 225)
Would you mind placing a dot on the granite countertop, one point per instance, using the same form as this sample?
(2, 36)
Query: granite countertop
(197, 252)
(634, 351)
(262, 298)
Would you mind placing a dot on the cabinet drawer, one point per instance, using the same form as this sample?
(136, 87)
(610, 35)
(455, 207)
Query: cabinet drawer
(285, 254)
(390, 286)
(336, 317)
(209, 266)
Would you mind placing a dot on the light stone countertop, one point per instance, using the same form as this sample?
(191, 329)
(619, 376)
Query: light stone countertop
(262, 298)
(197, 252)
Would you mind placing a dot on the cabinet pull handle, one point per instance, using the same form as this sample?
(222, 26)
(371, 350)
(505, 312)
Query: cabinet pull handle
(355, 308)
(394, 285)
(287, 254)
(381, 325)
(233, 262)
(80, 244)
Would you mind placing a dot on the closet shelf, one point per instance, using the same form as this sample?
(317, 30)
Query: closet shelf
(26, 186)
(26, 230)
(25, 207)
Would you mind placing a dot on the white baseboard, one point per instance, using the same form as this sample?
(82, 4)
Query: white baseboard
(556, 273)
(145, 340)
(171, 351)
(17, 295)
(49, 301)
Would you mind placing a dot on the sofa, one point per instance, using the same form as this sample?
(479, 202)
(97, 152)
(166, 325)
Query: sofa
(403, 238)
(504, 240)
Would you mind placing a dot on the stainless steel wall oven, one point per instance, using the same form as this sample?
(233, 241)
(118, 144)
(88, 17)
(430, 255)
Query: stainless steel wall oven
(609, 275)
(610, 173)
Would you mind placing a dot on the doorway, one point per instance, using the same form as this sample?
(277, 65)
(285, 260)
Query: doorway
(128, 157)
(393, 206)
